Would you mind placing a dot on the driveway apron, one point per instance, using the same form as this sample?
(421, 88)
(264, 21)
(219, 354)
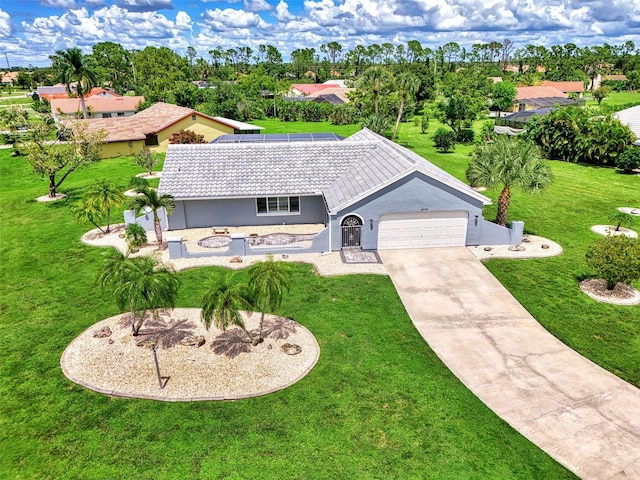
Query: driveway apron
(583, 416)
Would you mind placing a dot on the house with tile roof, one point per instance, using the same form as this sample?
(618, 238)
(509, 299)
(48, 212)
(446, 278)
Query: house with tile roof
(533, 98)
(367, 191)
(576, 87)
(99, 105)
(152, 127)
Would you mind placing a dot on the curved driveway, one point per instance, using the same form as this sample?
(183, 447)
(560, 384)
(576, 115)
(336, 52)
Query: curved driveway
(583, 416)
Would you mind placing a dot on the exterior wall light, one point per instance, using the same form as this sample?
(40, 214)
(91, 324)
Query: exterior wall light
(371, 223)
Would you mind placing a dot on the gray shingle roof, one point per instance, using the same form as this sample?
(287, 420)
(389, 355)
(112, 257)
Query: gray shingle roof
(344, 172)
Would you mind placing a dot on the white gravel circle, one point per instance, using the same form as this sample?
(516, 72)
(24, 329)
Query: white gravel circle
(611, 230)
(117, 366)
(622, 294)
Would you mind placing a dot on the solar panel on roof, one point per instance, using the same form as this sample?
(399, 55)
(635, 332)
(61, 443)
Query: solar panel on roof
(277, 137)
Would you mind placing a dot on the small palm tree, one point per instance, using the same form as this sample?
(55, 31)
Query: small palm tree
(222, 303)
(86, 212)
(150, 199)
(104, 196)
(136, 236)
(268, 281)
(71, 66)
(140, 285)
(407, 86)
(376, 79)
(508, 163)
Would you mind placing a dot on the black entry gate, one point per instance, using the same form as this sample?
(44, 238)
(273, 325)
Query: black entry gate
(351, 232)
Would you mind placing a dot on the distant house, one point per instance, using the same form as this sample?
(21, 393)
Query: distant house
(59, 90)
(8, 78)
(100, 105)
(151, 128)
(334, 92)
(566, 87)
(533, 98)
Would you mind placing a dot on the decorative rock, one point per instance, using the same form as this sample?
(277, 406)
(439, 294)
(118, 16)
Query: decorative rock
(291, 348)
(517, 248)
(285, 256)
(235, 260)
(193, 341)
(110, 342)
(104, 332)
(544, 246)
(487, 249)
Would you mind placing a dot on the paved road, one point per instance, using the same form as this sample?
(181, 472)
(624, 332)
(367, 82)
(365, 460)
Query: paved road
(583, 416)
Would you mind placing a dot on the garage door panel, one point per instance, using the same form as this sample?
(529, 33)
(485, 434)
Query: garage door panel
(422, 229)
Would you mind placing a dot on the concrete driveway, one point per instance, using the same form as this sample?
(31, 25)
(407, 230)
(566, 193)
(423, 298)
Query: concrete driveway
(583, 416)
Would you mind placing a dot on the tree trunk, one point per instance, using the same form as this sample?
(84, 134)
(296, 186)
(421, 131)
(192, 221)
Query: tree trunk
(264, 308)
(52, 186)
(83, 105)
(503, 206)
(158, 229)
(395, 130)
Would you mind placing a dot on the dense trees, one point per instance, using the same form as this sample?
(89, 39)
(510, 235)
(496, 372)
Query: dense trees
(573, 134)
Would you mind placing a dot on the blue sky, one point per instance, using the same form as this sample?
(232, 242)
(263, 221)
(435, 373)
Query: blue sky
(31, 30)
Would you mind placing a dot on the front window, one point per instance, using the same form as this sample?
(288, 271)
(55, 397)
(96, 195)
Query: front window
(277, 205)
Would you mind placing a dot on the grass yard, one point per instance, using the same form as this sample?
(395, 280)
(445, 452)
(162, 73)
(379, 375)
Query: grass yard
(379, 403)
(617, 98)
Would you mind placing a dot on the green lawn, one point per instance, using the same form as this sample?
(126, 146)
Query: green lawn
(379, 403)
(617, 98)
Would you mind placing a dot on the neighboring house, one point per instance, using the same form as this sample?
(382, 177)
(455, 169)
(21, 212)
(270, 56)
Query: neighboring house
(8, 78)
(151, 128)
(566, 87)
(631, 118)
(334, 93)
(305, 89)
(367, 191)
(49, 92)
(100, 105)
(533, 98)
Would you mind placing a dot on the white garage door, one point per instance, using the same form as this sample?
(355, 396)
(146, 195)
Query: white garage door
(422, 229)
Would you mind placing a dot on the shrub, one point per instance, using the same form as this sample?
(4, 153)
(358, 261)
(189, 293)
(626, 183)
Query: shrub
(136, 236)
(629, 159)
(424, 123)
(444, 139)
(616, 259)
(186, 136)
(466, 135)
(376, 123)
(138, 183)
(343, 115)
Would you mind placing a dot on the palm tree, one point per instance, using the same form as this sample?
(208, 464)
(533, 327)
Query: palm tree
(376, 79)
(150, 200)
(140, 284)
(508, 163)
(222, 303)
(407, 85)
(104, 196)
(268, 281)
(71, 66)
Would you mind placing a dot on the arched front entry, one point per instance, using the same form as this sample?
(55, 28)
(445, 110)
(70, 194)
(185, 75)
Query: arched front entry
(351, 227)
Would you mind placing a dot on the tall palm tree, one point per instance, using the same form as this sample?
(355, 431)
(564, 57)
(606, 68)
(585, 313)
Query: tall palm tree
(104, 196)
(376, 79)
(407, 85)
(149, 199)
(268, 281)
(508, 163)
(222, 303)
(140, 285)
(72, 66)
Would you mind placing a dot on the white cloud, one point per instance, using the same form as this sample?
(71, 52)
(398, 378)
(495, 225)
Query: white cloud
(257, 6)
(6, 26)
(282, 12)
(58, 3)
(145, 5)
(229, 19)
